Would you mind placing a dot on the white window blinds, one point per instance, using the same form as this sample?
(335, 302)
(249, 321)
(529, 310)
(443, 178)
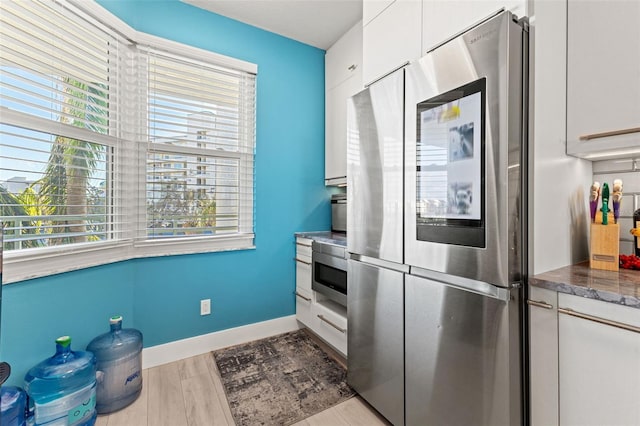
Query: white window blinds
(201, 133)
(58, 78)
(121, 144)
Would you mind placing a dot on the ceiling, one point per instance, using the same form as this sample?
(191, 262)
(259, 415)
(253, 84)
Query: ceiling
(319, 23)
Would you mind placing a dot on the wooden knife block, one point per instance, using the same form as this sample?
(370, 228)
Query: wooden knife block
(604, 247)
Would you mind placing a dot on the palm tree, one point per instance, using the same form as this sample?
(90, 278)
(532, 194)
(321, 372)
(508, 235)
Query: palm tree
(71, 161)
(12, 206)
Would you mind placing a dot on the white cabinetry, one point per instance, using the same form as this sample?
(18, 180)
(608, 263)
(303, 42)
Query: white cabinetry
(372, 8)
(543, 356)
(330, 323)
(324, 317)
(443, 19)
(391, 39)
(603, 78)
(599, 362)
(584, 359)
(304, 295)
(343, 79)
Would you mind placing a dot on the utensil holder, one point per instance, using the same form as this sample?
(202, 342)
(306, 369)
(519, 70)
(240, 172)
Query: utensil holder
(604, 247)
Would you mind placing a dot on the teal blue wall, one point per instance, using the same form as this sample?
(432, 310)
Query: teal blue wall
(160, 296)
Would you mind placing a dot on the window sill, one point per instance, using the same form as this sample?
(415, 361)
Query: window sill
(29, 265)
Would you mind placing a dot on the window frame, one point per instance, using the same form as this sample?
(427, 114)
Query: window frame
(26, 264)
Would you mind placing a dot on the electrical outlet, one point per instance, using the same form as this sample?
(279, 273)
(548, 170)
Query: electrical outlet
(205, 307)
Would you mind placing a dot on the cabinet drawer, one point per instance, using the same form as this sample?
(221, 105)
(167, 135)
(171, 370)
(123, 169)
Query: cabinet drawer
(303, 248)
(304, 301)
(330, 323)
(303, 275)
(600, 310)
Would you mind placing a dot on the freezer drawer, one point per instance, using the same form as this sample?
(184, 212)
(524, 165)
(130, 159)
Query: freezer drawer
(375, 338)
(462, 356)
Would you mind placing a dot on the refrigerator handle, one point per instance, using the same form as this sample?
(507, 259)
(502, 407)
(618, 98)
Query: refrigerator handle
(479, 287)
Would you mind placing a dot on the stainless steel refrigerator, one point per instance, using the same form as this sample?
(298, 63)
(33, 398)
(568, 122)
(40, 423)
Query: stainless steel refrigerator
(436, 178)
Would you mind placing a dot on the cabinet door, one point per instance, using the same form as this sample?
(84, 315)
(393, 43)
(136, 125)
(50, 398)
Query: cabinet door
(543, 356)
(343, 79)
(460, 14)
(335, 161)
(603, 72)
(372, 8)
(391, 39)
(599, 363)
(344, 58)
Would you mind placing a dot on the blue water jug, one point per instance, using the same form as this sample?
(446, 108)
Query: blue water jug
(119, 362)
(63, 387)
(13, 405)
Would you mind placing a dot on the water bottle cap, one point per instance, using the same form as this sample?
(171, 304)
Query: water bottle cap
(115, 319)
(63, 341)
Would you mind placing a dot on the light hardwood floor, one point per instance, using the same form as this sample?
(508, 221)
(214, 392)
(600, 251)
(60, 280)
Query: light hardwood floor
(189, 393)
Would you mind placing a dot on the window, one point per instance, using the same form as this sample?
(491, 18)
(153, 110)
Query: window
(198, 119)
(116, 144)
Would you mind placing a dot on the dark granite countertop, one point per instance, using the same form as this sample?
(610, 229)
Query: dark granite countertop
(337, 238)
(621, 287)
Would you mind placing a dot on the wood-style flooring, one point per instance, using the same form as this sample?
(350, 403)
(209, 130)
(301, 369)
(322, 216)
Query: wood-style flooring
(189, 393)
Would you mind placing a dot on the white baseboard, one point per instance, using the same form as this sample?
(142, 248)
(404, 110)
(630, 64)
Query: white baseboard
(186, 348)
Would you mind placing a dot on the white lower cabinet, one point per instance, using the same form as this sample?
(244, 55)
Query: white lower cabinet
(330, 323)
(584, 361)
(599, 362)
(304, 294)
(543, 356)
(303, 307)
(324, 317)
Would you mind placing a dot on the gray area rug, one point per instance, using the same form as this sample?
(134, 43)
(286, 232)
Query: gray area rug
(280, 380)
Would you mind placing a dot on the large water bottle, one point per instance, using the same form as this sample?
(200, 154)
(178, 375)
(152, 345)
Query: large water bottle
(13, 406)
(119, 362)
(63, 387)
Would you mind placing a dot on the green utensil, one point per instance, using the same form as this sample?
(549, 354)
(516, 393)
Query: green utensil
(605, 204)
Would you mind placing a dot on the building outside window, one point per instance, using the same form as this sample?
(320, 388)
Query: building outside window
(116, 144)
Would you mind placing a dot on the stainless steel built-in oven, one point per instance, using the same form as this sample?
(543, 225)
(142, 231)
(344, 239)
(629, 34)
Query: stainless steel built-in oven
(329, 271)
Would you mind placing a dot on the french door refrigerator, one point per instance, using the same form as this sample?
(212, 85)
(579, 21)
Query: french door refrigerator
(438, 257)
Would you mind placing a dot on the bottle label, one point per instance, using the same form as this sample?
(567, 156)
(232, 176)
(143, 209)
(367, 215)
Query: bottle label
(69, 409)
(85, 409)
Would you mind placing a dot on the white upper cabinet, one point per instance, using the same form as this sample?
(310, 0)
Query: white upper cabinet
(391, 38)
(603, 78)
(441, 19)
(343, 79)
(372, 8)
(343, 58)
